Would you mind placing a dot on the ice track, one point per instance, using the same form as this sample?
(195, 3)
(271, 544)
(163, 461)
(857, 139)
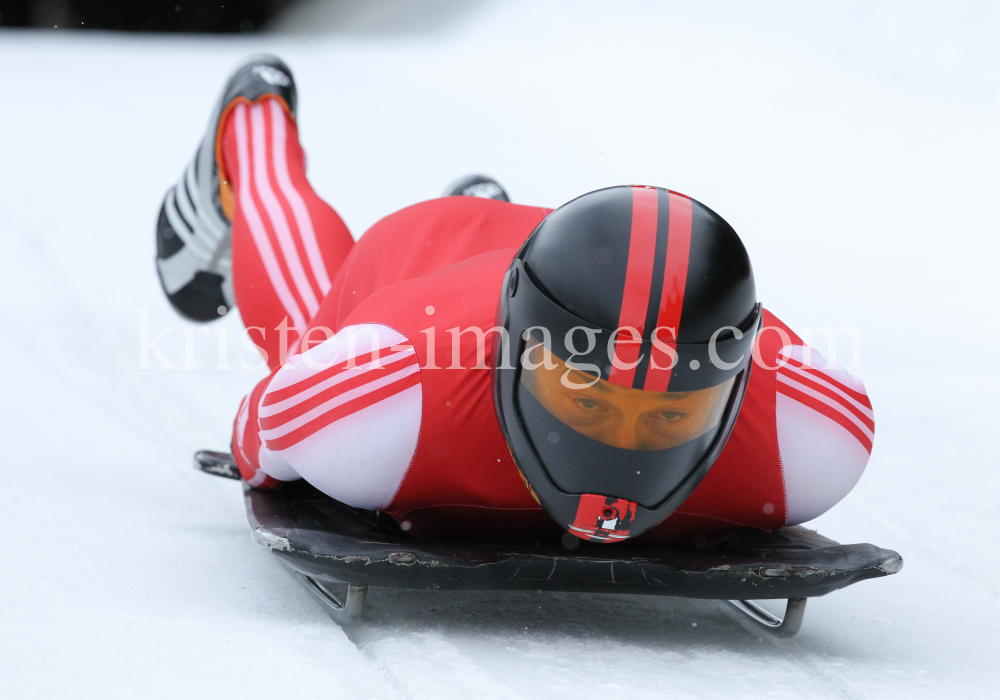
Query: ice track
(854, 149)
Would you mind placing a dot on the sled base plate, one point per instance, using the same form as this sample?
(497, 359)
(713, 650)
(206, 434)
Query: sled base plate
(320, 537)
(328, 545)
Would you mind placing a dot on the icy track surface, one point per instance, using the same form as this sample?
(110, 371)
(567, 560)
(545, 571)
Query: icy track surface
(855, 151)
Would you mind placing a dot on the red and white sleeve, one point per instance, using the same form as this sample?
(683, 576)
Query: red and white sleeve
(825, 428)
(344, 415)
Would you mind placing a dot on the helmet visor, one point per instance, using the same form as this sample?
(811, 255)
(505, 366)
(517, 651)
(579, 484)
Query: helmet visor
(593, 436)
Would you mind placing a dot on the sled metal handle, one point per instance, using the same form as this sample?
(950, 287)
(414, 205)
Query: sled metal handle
(349, 609)
(782, 628)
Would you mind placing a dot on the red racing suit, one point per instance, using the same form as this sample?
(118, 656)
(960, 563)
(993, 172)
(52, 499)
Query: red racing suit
(382, 398)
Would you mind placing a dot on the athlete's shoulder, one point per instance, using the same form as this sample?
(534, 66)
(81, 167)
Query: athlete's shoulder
(345, 414)
(801, 442)
(825, 427)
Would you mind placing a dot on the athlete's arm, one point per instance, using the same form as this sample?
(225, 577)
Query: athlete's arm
(344, 415)
(825, 429)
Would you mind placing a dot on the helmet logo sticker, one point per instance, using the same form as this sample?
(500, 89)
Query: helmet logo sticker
(603, 518)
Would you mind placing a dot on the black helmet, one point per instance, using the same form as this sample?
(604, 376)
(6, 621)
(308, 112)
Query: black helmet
(631, 314)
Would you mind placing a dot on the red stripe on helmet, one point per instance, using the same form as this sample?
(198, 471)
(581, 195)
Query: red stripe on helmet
(638, 281)
(672, 296)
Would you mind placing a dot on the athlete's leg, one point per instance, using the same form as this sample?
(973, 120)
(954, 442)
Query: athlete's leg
(288, 244)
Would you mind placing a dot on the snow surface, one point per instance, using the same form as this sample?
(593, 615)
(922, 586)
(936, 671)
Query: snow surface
(855, 148)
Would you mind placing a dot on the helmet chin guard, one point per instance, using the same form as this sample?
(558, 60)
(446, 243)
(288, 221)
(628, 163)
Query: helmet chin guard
(642, 298)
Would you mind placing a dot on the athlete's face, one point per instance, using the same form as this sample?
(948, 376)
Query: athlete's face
(619, 416)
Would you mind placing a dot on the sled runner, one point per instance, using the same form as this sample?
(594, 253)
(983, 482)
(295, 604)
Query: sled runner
(337, 551)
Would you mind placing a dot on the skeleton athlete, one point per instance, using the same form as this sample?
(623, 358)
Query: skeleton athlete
(476, 368)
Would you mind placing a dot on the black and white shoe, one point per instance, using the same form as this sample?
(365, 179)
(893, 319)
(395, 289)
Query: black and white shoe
(477, 186)
(193, 233)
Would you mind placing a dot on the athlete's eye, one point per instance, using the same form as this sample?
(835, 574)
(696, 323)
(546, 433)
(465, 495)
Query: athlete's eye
(673, 416)
(587, 404)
